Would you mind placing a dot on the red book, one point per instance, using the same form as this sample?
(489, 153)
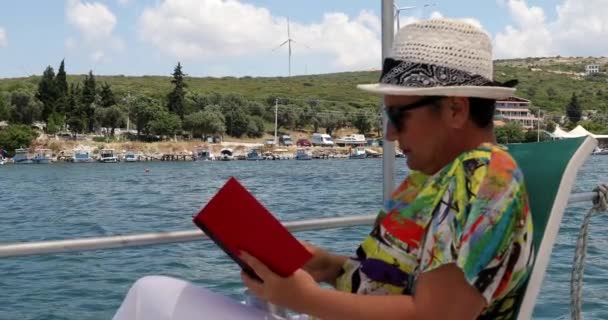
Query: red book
(236, 221)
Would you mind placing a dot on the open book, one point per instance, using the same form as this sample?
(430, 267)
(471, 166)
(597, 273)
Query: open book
(236, 221)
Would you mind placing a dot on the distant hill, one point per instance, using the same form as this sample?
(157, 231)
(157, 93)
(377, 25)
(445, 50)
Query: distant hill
(548, 82)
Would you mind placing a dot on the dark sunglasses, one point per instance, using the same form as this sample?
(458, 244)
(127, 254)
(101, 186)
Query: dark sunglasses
(395, 113)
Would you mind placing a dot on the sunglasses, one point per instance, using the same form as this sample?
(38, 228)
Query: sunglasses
(395, 113)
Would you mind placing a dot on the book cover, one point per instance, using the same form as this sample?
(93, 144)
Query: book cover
(236, 221)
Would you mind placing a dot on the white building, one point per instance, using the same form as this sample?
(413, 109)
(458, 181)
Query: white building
(592, 68)
(516, 110)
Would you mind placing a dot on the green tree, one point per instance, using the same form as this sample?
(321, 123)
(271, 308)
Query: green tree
(332, 122)
(107, 96)
(61, 84)
(510, 133)
(75, 113)
(236, 121)
(16, 136)
(54, 123)
(363, 122)
(47, 93)
(176, 98)
(88, 99)
(24, 108)
(574, 110)
(287, 116)
(165, 124)
(208, 122)
(5, 106)
(61, 81)
(255, 128)
(112, 117)
(143, 110)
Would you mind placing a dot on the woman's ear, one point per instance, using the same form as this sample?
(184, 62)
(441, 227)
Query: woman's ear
(457, 111)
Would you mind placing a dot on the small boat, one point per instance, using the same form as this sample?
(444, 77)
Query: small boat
(351, 140)
(357, 153)
(303, 154)
(226, 154)
(22, 157)
(81, 156)
(131, 157)
(107, 156)
(599, 151)
(254, 155)
(204, 155)
(268, 155)
(42, 156)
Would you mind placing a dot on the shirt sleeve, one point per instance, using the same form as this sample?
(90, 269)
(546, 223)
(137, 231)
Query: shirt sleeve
(482, 225)
(489, 246)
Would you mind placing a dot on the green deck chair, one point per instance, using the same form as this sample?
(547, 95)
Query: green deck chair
(550, 170)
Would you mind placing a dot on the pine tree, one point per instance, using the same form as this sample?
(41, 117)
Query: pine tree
(89, 91)
(61, 81)
(573, 109)
(107, 96)
(47, 93)
(176, 98)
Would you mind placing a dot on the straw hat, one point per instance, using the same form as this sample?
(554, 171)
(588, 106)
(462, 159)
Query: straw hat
(440, 57)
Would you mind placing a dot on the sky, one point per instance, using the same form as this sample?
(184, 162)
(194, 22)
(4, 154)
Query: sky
(242, 37)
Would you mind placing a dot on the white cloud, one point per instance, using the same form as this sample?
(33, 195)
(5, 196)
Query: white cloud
(580, 28)
(200, 29)
(124, 2)
(97, 56)
(3, 38)
(95, 23)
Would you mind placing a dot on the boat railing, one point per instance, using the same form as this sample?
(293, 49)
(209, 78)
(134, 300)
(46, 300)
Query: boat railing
(155, 238)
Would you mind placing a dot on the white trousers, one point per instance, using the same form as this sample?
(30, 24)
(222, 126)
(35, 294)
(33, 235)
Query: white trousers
(165, 298)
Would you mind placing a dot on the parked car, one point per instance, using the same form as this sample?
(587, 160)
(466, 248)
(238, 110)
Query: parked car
(285, 141)
(303, 143)
(322, 139)
(269, 142)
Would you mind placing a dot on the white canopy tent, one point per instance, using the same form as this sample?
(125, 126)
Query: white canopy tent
(579, 131)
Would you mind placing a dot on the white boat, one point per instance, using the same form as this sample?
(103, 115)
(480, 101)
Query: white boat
(107, 156)
(303, 154)
(81, 156)
(351, 140)
(42, 156)
(357, 153)
(599, 151)
(204, 155)
(22, 157)
(131, 157)
(2, 161)
(226, 154)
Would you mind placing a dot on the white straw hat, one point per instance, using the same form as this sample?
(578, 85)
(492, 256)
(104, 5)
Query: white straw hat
(440, 57)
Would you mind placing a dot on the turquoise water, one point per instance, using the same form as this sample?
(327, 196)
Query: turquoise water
(59, 201)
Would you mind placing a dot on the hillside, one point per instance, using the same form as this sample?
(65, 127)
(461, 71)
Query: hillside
(548, 82)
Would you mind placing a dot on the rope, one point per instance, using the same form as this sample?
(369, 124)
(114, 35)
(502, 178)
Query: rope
(600, 204)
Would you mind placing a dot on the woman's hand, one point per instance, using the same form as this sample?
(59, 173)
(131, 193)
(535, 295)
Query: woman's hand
(324, 266)
(290, 292)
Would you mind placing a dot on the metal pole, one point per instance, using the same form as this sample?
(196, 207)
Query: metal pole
(388, 147)
(60, 246)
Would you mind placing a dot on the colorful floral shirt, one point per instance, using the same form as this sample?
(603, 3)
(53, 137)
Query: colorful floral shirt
(473, 213)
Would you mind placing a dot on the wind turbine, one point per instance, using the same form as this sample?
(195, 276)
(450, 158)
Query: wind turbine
(399, 9)
(288, 43)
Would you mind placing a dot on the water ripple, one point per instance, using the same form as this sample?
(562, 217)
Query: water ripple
(65, 201)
